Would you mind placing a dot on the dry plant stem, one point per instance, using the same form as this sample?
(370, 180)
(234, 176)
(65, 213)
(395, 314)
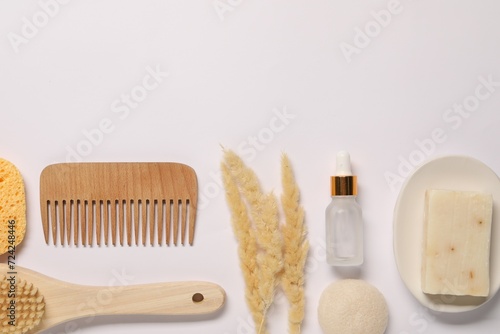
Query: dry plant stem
(264, 214)
(268, 237)
(270, 260)
(247, 246)
(296, 248)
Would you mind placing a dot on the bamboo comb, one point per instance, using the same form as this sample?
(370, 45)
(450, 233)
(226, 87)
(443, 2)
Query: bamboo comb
(88, 202)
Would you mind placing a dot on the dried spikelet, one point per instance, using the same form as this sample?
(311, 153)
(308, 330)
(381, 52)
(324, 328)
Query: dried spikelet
(247, 245)
(246, 179)
(264, 214)
(296, 247)
(270, 261)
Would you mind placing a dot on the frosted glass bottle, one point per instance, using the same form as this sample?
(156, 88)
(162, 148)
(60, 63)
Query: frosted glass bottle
(344, 222)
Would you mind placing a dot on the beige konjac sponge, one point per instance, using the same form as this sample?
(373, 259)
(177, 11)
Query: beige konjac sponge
(12, 207)
(352, 306)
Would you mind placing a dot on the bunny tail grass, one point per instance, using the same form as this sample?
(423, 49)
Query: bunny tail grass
(264, 216)
(247, 246)
(296, 247)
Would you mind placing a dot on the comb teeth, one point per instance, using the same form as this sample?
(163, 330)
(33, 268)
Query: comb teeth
(139, 221)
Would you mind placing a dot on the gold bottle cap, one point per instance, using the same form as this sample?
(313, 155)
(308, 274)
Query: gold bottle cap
(346, 185)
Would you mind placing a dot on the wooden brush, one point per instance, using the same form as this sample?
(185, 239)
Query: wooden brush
(86, 201)
(32, 302)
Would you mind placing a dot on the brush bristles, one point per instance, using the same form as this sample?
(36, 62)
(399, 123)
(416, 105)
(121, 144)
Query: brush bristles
(119, 222)
(29, 307)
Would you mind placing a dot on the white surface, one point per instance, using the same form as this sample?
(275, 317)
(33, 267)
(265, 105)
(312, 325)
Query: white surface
(227, 79)
(454, 173)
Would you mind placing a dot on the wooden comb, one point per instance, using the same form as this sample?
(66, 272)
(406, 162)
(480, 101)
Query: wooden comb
(88, 202)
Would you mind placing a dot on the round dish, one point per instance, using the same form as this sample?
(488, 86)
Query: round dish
(449, 172)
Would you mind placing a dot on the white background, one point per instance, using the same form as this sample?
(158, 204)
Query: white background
(232, 65)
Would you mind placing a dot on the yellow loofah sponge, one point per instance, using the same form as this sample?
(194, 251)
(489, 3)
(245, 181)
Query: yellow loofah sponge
(352, 306)
(12, 207)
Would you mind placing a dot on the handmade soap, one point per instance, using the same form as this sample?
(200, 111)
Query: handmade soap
(457, 232)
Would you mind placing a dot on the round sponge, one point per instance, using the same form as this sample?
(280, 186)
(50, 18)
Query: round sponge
(352, 306)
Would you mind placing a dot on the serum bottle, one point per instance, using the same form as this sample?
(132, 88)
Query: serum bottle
(344, 224)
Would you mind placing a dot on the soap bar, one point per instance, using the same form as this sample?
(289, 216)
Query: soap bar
(457, 232)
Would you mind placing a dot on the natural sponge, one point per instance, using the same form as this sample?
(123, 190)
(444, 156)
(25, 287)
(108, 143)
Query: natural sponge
(352, 306)
(12, 207)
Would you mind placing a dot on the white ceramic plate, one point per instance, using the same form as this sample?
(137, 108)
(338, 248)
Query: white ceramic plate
(448, 172)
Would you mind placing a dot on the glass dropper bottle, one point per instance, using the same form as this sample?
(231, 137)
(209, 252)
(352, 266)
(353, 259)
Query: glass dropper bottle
(344, 224)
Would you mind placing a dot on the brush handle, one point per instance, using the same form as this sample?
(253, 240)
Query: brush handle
(171, 298)
(66, 302)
